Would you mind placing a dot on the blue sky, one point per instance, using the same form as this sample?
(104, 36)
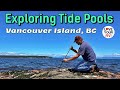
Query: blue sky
(58, 44)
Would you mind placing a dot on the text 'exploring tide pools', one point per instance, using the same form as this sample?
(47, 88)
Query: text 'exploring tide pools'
(61, 18)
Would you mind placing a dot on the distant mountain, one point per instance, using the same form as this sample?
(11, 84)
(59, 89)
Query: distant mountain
(109, 57)
(57, 55)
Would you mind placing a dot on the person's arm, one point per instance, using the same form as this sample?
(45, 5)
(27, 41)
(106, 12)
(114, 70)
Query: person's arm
(73, 49)
(72, 58)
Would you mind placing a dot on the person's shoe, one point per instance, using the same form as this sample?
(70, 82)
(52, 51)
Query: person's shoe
(94, 68)
(97, 69)
(72, 70)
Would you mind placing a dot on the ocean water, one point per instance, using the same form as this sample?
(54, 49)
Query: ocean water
(10, 64)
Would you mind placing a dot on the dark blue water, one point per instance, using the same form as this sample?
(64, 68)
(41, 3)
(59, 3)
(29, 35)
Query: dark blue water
(9, 64)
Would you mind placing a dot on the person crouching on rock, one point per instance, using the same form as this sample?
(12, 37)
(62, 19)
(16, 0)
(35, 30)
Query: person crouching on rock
(88, 64)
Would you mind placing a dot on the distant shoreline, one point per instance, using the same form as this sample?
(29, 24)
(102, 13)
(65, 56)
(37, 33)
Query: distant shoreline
(37, 56)
(23, 56)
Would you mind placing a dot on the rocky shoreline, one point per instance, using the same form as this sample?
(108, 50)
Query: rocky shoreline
(57, 74)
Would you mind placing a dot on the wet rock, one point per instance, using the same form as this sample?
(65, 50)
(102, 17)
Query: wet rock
(57, 74)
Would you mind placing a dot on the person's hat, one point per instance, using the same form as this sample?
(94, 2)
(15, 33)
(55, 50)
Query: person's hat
(77, 38)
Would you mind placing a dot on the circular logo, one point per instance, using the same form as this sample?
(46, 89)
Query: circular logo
(108, 32)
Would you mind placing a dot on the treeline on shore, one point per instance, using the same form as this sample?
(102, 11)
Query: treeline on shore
(24, 56)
